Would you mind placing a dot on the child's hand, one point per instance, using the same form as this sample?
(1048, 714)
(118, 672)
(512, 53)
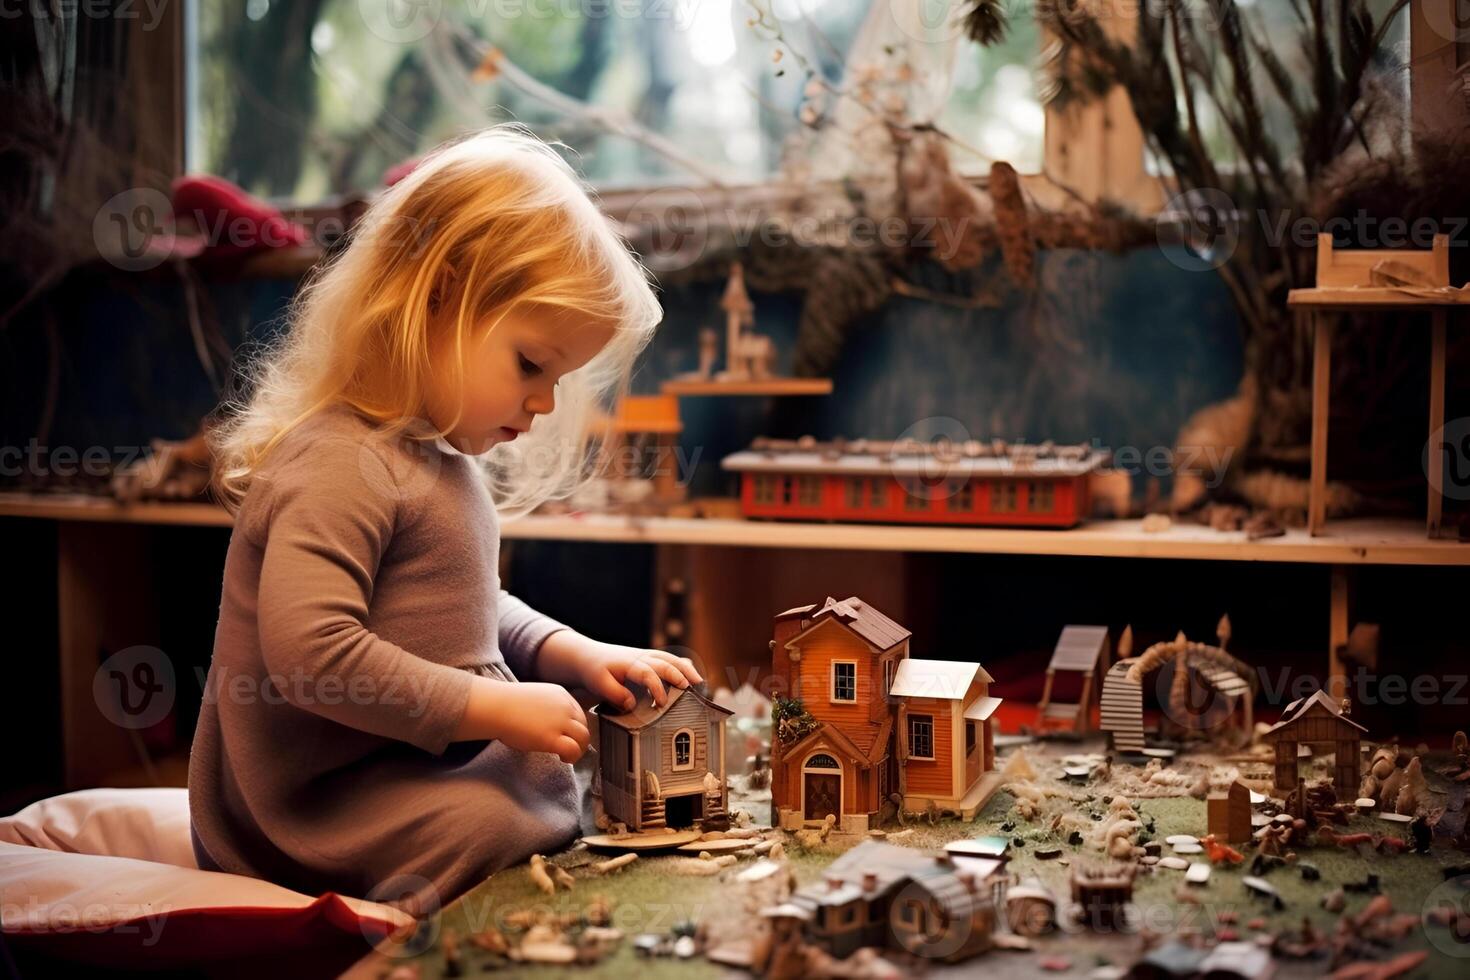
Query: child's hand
(602, 668)
(536, 717)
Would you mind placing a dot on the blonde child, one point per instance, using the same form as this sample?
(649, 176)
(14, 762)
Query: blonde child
(381, 718)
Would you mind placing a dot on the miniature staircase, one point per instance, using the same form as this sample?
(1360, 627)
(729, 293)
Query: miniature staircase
(653, 814)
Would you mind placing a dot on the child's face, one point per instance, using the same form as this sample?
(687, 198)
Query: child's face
(510, 375)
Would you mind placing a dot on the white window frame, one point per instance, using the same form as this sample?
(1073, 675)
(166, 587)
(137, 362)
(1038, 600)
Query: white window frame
(930, 719)
(674, 751)
(832, 686)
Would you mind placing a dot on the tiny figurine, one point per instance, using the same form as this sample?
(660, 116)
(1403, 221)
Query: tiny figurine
(1317, 719)
(916, 482)
(1229, 814)
(653, 761)
(1080, 650)
(865, 722)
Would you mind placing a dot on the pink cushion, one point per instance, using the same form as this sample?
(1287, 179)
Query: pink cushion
(107, 877)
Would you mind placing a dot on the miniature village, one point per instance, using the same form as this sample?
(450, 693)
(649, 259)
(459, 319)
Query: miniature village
(871, 821)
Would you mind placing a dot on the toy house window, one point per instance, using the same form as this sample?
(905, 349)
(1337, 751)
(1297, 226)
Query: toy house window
(921, 736)
(1002, 498)
(1041, 498)
(822, 761)
(765, 490)
(962, 501)
(809, 491)
(970, 739)
(913, 914)
(684, 749)
(844, 680)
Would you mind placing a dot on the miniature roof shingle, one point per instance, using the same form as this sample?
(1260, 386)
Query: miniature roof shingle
(864, 620)
(645, 712)
(948, 679)
(1298, 709)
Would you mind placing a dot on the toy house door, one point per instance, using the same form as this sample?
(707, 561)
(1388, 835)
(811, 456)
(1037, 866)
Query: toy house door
(822, 794)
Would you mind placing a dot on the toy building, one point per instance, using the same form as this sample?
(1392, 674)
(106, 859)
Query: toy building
(1318, 720)
(913, 482)
(884, 896)
(663, 765)
(865, 724)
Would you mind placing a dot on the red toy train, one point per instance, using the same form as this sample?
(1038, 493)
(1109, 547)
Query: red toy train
(913, 482)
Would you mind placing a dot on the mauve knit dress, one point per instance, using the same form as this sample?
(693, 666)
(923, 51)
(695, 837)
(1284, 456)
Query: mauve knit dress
(361, 593)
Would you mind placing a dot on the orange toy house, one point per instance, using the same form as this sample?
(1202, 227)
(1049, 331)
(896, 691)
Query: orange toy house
(866, 721)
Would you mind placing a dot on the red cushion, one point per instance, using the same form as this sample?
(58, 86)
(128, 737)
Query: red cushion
(232, 222)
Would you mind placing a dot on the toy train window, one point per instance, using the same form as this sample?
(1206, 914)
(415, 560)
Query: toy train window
(822, 761)
(962, 501)
(765, 489)
(916, 498)
(1041, 498)
(921, 736)
(683, 749)
(808, 491)
(1002, 498)
(786, 485)
(844, 680)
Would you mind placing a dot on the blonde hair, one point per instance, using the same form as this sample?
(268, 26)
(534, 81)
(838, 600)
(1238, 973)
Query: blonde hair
(482, 225)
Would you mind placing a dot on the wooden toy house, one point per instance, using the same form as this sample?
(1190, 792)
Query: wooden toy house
(663, 765)
(1317, 720)
(884, 896)
(864, 721)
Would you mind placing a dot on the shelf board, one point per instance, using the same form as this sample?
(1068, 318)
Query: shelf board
(765, 386)
(1363, 541)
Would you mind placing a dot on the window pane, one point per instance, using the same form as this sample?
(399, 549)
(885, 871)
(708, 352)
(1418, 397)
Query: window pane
(310, 98)
(993, 105)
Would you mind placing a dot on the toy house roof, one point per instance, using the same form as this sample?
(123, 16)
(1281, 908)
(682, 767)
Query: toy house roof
(891, 866)
(948, 679)
(1300, 708)
(645, 712)
(864, 457)
(864, 620)
(1079, 648)
(842, 744)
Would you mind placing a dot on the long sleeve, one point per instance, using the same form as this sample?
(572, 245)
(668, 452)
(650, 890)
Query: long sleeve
(332, 514)
(522, 631)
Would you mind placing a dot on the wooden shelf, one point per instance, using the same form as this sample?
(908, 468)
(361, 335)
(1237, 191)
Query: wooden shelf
(768, 386)
(1370, 298)
(1347, 542)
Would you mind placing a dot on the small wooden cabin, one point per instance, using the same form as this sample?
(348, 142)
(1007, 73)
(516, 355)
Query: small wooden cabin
(663, 765)
(891, 897)
(1318, 720)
